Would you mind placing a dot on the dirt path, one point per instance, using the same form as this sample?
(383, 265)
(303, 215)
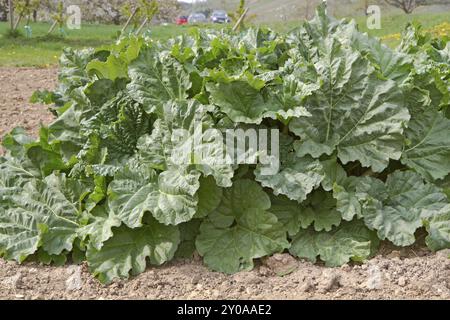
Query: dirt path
(411, 273)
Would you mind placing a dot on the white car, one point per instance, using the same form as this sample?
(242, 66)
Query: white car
(197, 18)
(220, 16)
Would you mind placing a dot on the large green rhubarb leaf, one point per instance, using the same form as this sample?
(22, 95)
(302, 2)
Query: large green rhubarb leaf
(177, 198)
(98, 228)
(289, 98)
(354, 112)
(39, 215)
(319, 210)
(352, 193)
(403, 207)
(20, 234)
(350, 241)
(240, 230)
(209, 197)
(128, 250)
(171, 197)
(131, 194)
(181, 139)
(241, 102)
(428, 145)
(291, 214)
(438, 228)
(297, 177)
(157, 78)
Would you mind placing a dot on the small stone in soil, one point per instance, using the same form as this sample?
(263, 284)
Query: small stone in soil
(402, 281)
(307, 286)
(330, 280)
(281, 264)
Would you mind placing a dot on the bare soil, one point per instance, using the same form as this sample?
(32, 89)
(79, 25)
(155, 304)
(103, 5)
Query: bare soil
(408, 273)
(16, 87)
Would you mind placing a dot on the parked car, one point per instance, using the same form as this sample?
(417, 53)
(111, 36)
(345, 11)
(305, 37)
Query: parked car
(220, 16)
(181, 20)
(197, 18)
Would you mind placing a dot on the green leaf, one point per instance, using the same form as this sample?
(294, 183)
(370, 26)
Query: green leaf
(128, 250)
(445, 184)
(291, 214)
(156, 78)
(72, 72)
(297, 177)
(100, 91)
(66, 131)
(318, 210)
(237, 200)
(47, 259)
(392, 64)
(98, 194)
(16, 141)
(409, 201)
(20, 235)
(438, 228)
(347, 203)
(14, 174)
(132, 193)
(256, 234)
(176, 199)
(350, 241)
(290, 97)
(209, 197)
(155, 149)
(352, 193)
(44, 155)
(323, 210)
(171, 196)
(117, 127)
(111, 69)
(333, 173)
(39, 215)
(240, 101)
(354, 112)
(98, 228)
(240, 230)
(428, 148)
(188, 233)
(182, 139)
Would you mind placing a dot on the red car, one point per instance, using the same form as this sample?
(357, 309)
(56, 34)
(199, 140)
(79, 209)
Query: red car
(182, 20)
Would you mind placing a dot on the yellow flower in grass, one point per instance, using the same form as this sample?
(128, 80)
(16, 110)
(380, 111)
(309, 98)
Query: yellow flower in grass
(395, 36)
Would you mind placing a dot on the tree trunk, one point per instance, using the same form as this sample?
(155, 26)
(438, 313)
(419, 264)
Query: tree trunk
(238, 23)
(142, 26)
(16, 25)
(129, 19)
(53, 26)
(11, 13)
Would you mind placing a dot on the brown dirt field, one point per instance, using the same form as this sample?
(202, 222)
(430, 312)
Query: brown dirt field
(409, 273)
(16, 87)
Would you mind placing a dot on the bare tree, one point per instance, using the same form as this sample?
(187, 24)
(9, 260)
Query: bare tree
(408, 6)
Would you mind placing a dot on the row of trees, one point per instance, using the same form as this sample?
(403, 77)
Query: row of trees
(106, 11)
(408, 6)
(117, 11)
